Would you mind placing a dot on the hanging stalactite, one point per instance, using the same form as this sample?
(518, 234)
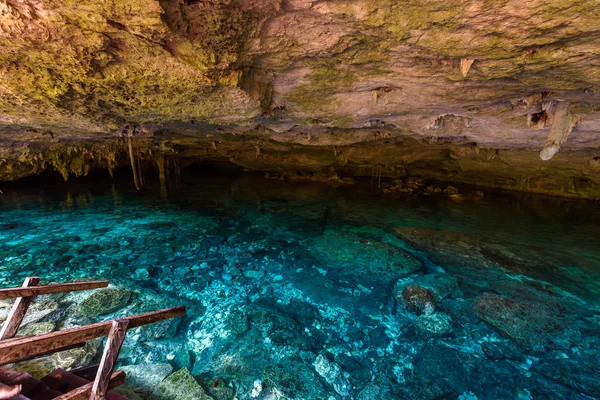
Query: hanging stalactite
(133, 164)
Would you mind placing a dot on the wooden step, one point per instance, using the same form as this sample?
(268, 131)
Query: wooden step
(31, 388)
(63, 381)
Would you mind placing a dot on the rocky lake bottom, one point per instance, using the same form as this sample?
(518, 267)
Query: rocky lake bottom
(305, 291)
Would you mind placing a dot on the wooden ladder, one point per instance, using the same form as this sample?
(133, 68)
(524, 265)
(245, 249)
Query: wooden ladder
(14, 349)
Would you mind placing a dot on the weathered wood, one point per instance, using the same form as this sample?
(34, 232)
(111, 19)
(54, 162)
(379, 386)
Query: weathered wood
(83, 392)
(12, 293)
(17, 397)
(24, 348)
(109, 358)
(30, 387)
(18, 310)
(52, 351)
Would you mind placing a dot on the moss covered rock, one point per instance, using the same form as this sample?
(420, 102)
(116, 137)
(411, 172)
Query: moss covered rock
(104, 301)
(180, 385)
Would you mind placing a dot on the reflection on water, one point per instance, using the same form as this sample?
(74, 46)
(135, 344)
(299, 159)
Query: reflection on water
(303, 291)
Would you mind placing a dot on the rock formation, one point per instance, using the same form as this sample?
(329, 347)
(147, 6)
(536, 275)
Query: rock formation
(451, 90)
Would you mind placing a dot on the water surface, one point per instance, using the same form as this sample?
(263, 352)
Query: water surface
(299, 290)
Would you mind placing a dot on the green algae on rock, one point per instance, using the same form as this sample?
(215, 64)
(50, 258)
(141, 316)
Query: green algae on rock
(180, 385)
(104, 301)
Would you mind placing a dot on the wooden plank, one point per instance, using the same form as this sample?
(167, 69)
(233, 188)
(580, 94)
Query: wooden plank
(12, 293)
(28, 347)
(49, 352)
(109, 358)
(17, 397)
(30, 387)
(83, 392)
(18, 310)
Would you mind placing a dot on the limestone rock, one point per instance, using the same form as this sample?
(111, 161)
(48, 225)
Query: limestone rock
(38, 328)
(418, 300)
(180, 385)
(332, 373)
(104, 301)
(431, 326)
(146, 376)
(530, 325)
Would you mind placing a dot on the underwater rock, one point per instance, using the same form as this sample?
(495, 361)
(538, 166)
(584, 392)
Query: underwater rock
(238, 323)
(161, 329)
(332, 373)
(579, 373)
(77, 358)
(40, 310)
(38, 328)
(254, 274)
(146, 376)
(180, 385)
(257, 388)
(293, 380)
(129, 392)
(68, 359)
(172, 350)
(218, 389)
(501, 351)
(530, 325)
(431, 326)
(266, 315)
(140, 274)
(378, 337)
(418, 300)
(104, 301)
(375, 390)
(360, 259)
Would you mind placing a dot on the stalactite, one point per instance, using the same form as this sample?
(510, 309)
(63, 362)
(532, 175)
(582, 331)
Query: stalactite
(562, 125)
(160, 163)
(140, 170)
(133, 164)
(379, 179)
(465, 65)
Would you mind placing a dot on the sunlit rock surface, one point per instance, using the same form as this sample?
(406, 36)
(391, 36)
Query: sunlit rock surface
(451, 90)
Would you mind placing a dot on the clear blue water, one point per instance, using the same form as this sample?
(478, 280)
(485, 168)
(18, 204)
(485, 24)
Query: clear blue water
(299, 291)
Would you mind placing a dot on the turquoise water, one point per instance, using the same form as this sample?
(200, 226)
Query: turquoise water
(304, 291)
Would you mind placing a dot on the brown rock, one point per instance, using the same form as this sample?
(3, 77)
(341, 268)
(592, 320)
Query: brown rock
(450, 190)
(418, 300)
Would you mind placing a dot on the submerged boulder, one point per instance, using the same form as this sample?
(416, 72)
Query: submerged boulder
(38, 328)
(362, 258)
(431, 326)
(146, 376)
(332, 373)
(293, 380)
(104, 301)
(418, 300)
(180, 385)
(530, 325)
(68, 359)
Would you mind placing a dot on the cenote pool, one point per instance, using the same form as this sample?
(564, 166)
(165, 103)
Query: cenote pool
(305, 291)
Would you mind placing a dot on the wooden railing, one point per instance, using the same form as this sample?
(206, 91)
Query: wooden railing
(14, 349)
